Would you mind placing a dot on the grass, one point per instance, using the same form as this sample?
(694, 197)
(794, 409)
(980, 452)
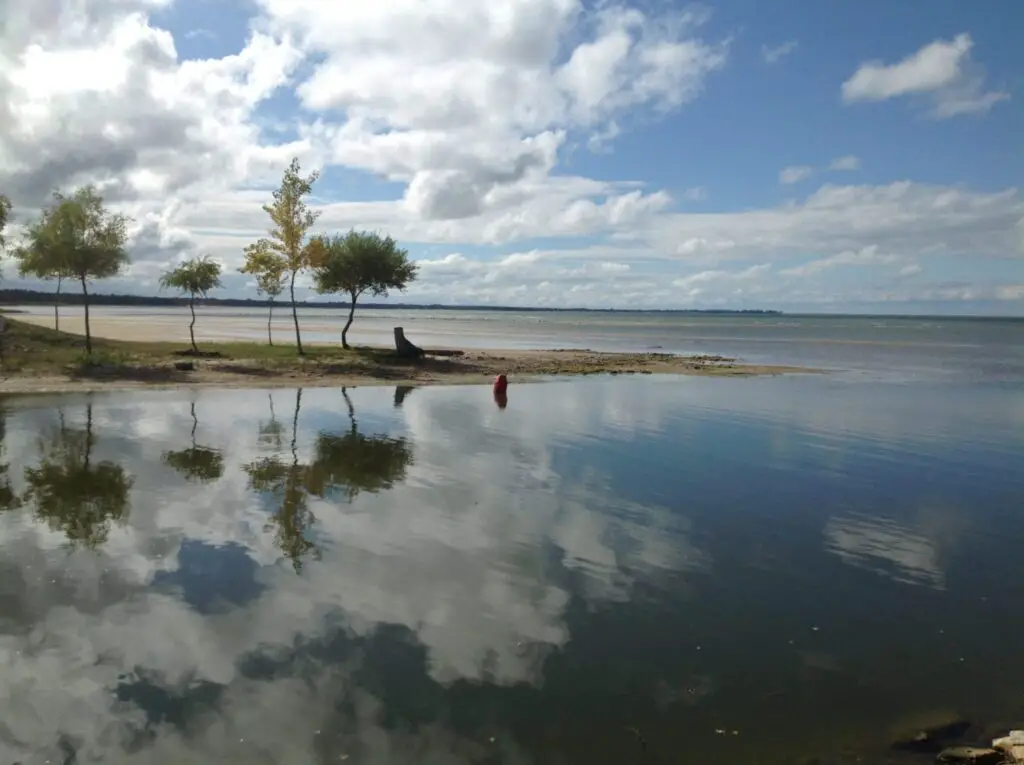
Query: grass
(33, 350)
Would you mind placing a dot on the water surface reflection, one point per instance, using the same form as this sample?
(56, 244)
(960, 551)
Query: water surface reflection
(757, 570)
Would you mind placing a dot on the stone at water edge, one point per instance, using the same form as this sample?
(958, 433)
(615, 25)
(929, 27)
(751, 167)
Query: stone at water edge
(1012, 744)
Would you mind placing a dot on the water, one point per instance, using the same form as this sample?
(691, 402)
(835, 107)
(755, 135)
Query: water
(752, 570)
(872, 347)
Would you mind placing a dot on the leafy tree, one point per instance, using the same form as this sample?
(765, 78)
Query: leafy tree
(268, 268)
(360, 262)
(71, 493)
(292, 220)
(198, 463)
(5, 212)
(46, 263)
(196, 276)
(83, 238)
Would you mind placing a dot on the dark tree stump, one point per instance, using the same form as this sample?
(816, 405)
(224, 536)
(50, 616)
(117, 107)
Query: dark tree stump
(406, 349)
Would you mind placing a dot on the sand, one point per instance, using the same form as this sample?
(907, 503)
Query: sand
(474, 367)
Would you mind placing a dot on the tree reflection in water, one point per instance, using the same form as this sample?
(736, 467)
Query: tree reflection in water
(197, 463)
(71, 492)
(293, 519)
(343, 465)
(9, 499)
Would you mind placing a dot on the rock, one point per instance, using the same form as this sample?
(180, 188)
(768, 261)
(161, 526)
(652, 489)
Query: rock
(1012, 744)
(973, 754)
(1012, 739)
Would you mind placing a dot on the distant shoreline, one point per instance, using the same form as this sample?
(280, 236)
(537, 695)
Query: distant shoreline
(9, 297)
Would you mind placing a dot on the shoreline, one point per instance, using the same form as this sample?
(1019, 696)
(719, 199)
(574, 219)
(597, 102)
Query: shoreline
(474, 368)
(39, 359)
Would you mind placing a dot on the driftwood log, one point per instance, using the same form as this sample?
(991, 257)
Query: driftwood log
(406, 349)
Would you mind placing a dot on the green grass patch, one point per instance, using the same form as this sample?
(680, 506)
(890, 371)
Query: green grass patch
(31, 348)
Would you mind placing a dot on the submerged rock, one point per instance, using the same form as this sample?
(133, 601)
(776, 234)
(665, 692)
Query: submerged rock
(970, 754)
(934, 738)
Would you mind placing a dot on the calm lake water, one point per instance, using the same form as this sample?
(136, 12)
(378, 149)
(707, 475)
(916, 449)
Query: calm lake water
(873, 347)
(746, 570)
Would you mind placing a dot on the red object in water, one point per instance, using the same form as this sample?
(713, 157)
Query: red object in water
(500, 384)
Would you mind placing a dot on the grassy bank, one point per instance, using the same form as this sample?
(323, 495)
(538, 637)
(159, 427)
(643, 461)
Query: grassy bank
(36, 357)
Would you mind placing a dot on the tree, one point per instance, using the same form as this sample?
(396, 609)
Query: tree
(196, 276)
(71, 493)
(46, 263)
(292, 220)
(5, 212)
(198, 463)
(268, 267)
(83, 238)
(360, 262)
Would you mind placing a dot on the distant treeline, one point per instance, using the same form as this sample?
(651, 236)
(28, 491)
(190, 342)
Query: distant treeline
(28, 297)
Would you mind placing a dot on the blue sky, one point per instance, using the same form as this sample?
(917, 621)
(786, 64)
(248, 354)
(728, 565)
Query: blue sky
(804, 156)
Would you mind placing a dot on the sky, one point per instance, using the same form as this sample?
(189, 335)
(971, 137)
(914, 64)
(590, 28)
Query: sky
(833, 157)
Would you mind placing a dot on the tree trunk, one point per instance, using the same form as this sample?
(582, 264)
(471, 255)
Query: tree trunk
(351, 316)
(88, 333)
(56, 303)
(191, 327)
(270, 319)
(295, 315)
(404, 347)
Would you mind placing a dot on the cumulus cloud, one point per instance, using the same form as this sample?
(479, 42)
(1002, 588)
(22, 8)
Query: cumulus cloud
(942, 69)
(468, 119)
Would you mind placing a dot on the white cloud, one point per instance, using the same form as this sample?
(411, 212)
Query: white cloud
(471, 110)
(745, 282)
(775, 54)
(475, 119)
(914, 219)
(848, 162)
(795, 174)
(943, 69)
(869, 256)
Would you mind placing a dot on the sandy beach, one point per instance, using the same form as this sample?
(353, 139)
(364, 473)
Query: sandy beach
(239, 367)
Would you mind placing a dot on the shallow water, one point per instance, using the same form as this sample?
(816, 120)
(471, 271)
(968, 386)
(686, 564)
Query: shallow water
(753, 570)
